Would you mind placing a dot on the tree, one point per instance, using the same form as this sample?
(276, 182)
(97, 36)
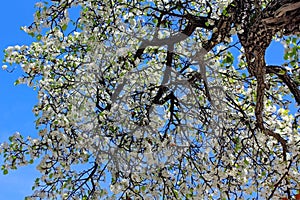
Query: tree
(151, 99)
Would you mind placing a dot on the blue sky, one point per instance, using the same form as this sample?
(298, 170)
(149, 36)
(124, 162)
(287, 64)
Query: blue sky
(16, 102)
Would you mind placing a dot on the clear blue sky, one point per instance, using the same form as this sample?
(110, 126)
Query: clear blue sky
(16, 102)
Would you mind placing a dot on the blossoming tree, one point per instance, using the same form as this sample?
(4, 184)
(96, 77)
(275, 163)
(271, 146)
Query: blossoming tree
(147, 99)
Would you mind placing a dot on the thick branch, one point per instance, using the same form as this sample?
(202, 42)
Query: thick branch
(261, 86)
(284, 17)
(223, 26)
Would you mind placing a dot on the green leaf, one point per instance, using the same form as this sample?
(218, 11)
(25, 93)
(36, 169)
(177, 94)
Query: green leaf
(5, 171)
(39, 37)
(286, 56)
(64, 27)
(38, 14)
(84, 197)
(31, 34)
(281, 72)
(17, 82)
(229, 58)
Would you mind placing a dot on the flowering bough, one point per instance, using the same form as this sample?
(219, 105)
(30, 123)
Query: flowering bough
(146, 97)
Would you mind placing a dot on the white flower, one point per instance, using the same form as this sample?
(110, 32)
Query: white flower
(125, 182)
(211, 22)
(4, 67)
(122, 51)
(115, 189)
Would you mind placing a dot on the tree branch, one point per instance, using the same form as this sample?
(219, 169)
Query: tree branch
(293, 87)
